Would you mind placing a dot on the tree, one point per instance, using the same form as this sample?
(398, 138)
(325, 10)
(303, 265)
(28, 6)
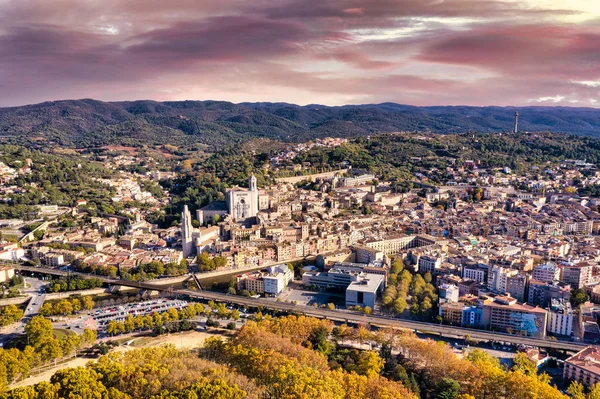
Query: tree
(10, 314)
(399, 305)
(129, 323)
(448, 389)
(87, 303)
(63, 307)
(111, 327)
(524, 365)
(427, 277)
(79, 383)
(578, 297)
(594, 392)
(50, 350)
(88, 337)
(576, 390)
(76, 303)
(397, 266)
(369, 363)
(38, 331)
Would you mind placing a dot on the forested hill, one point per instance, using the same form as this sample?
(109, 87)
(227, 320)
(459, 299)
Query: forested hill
(90, 122)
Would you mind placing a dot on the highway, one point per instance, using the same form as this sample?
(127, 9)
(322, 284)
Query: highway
(338, 315)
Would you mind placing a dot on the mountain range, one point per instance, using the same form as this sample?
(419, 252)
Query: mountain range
(90, 122)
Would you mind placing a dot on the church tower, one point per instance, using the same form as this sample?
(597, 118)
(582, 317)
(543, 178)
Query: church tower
(187, 241)
(253, 189)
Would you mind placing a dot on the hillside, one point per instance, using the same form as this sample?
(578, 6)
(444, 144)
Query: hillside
(90, 123)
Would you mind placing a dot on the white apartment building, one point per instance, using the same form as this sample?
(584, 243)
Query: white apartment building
(560, 318)
(477, 273)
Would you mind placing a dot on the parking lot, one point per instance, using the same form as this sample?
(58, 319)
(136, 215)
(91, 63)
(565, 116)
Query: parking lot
(119, 313)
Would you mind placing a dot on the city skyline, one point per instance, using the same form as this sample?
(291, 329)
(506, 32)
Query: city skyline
(535, 52)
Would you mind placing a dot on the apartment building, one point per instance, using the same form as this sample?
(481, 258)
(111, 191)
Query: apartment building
(560, 318)
(583, 367)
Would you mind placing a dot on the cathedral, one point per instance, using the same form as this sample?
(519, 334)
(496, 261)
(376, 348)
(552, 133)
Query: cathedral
(242, 204)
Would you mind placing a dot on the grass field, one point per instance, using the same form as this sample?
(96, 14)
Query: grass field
(60, 333)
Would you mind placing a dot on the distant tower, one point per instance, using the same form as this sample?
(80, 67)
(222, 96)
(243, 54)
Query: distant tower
(253, 189)
(187, 241)
(516, 130)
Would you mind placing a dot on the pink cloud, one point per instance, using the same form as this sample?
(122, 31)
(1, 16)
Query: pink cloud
(344, 50)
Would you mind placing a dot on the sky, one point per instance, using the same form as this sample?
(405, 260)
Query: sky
(420, 52)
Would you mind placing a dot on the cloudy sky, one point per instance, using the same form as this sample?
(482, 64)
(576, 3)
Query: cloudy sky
(422, 52)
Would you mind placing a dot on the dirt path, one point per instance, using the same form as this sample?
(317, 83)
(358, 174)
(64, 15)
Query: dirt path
(186, 340)
(45, 375)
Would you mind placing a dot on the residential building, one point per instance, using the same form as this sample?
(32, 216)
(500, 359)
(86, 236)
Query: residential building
(583, 367)
(477, 272)
(517, 286)
(560, 318)
(505, 314)
(546, 272)
(541, 294)
(577, 275)
(448, 293)
(6, 273)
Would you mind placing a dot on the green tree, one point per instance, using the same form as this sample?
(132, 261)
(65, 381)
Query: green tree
(578, 297)
(447, 389)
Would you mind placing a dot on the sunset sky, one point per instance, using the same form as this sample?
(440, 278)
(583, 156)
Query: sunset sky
(421, 52)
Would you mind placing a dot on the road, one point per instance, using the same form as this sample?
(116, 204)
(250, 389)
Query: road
(35, 288)
(339, 315)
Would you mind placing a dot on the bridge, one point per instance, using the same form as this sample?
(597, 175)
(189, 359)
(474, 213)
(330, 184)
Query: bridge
(335, 315)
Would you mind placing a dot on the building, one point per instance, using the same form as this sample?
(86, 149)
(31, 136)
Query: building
(498, 278)
(517, 286)
(357, 180)
(583, 367)
(396, 244)
(452, 313)
(187, 240)
(478, 272)
(6, 273)
(429, 263)
(364, 290)
(546, 272)
(577, 275)
(207, 214)
(11, 251)
(271, 281)
(364, 283)
(251, 282)
(505, 314)
(367, 255)
(472, 316)
(448, 293)
(243, 204)
(560, 318)
(276, 279)
(541, 294)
